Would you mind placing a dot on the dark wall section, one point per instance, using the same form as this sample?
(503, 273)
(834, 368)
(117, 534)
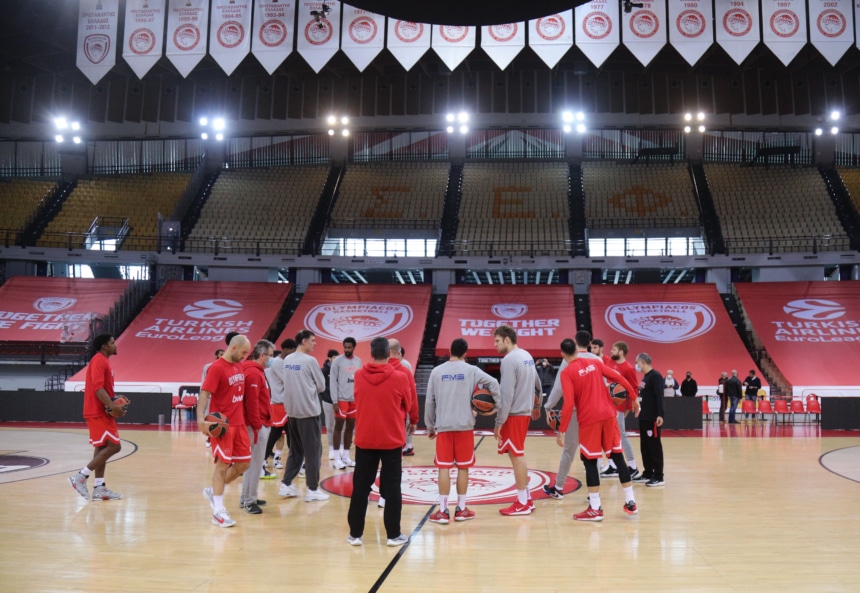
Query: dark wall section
(68, 406)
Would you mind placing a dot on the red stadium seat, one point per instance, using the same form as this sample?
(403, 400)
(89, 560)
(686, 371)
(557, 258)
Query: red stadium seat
(748, 407)
(781, 407)
(188, 402)
(706, 411)
(813, 406)
(764, 407)
(174, 405)
(796, 408)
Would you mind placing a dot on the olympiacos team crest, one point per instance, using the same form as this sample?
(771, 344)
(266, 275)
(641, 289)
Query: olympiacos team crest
(53, 304)
(362, 321)
(665, 323)
(509, 310)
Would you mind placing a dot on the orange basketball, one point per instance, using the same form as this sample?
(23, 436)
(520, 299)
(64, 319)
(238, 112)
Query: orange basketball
(553, 419)
(121, 401)
(483, 402)
(216, 424)
(617, 393)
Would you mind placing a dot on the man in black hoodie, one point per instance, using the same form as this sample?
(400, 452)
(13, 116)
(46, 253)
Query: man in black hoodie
(650, 423)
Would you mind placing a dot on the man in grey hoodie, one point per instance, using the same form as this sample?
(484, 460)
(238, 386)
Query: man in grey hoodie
(448, 415)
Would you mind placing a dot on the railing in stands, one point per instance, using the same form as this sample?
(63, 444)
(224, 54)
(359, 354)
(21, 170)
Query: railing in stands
(794, 244)
(646, 246)
(43, 352)
(635, 222)
(501, 248)
(19, 158)
(382, 224)
(664, 145)
(399, 146)
(144, 156)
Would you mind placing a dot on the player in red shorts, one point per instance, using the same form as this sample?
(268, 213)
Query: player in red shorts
(225, 383)
(584, 390)
(450, 420)
(104, 435)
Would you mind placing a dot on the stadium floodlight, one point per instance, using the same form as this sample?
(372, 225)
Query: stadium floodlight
(580, 116)
(59, 138)
(76, 126)
(450, 129)
(567, 129)
(219, 137)
(331, 120)
(700, 116)
(345, 132)
(330, 132)
(835, 115)
(818, 131)
(701, 129)
(344, 120)
(580, 128)
(204, 121)
(464, 129)
(834, 130)
(61, 123)
(567, 116)
(688, 117)
(205, 136)
(218, 124)
(449, 118)
(463, 117)
(76, 139)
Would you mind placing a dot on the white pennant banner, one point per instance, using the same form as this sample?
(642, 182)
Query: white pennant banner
(690, 30)
(363, 35)
(830, 29)
(408, 41)
(737, 24)
(645, 30)
(230, 33)
(97, 34)
(597, 30)
(144, 34)
(452, 43)
(784, 26)
(318, 34)
(503, 42)
(550, 37)
(273, 32)
(187, 33)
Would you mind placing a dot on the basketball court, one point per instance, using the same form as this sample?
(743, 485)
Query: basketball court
(749, 507)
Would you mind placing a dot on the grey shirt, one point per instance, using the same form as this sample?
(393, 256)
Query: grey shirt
(555, 394)
(518, 386)
(342, 378)
(275, 377)
(303, 381)
(449, 393)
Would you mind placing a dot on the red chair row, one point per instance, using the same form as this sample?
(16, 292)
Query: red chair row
(186, 402)
(780, 407)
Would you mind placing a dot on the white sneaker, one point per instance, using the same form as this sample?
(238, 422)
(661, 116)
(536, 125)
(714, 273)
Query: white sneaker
(313, 495)
(338, 463)
(354, 541)
(398, 541)
(285, 491)
(278, 464)
(222, 519)
(381, 503)
(331, 453)
(347, 461)
(302, 471)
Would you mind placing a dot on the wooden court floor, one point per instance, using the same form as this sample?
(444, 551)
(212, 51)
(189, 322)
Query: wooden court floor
(742, 510)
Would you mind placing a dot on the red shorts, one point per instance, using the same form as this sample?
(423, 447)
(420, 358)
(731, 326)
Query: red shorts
(233, 447)
(513, 433)
(455, 448)
(103, 430)
(279, 415)
(345, 410)
(599, 438)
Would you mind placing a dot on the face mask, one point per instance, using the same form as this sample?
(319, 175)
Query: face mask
(269, 363)
(638, 370)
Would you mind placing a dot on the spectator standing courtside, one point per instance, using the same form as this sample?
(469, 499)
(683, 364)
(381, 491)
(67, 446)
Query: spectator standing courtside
(343, 371)
(650, 423)
(721, 392)
(689, 387)
(275, 377)
(449, 418)
(734, 392)
(303, 382)
(670, 384)
(258, 420)
(751, 386)
(383, 398)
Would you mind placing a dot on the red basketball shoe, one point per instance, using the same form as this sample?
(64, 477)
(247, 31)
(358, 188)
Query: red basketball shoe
(589, 514)
(440, 517)
(464, 514)
(516, 509)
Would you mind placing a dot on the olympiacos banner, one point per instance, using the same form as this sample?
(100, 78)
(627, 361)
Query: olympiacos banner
(363, 35)
(144, 34)
(187, 33)
(274, 31)
(503, 42)
(452, 43)
(737, 24)
(551, 37)
(408, 41)
(98, 22)
(784, 27)
(318, 32)
(597, 30)
(644, 30)
(830, 28)
(690, 30)
(230, 33)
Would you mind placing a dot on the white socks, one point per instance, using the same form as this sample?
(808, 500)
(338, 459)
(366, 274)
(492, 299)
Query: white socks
(594, 500)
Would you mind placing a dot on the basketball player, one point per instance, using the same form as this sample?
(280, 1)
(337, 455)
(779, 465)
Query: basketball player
(275, 377)
(327, 406)
(225, 384)
(583, 388)
(403, 364)
(303, 382)
(258, 420)
(618, 362)
(449, 418)
(104, 435)
(597, 349)
(383, 397)
(518, 386)
(342, 381)
(570, 350)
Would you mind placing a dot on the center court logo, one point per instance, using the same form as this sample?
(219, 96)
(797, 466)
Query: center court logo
(362, 321)
(509, 310)
(814, 309)
(213, 309)
(53, 304)
(487, 485)
(665, 323)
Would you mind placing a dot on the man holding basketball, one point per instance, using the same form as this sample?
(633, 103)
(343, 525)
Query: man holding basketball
(100, 412)
(449, 418)
(225, 385)
(518, 386)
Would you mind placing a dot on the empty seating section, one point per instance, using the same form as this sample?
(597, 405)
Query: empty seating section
(20, 198)
(139, 198)
(851, 179)
(624, 195)
(261, 205)
(392, 195)
(515, 208)
(790, 205)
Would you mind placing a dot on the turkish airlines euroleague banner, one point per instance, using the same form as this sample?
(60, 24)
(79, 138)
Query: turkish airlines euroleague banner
(178, 332)
(830, 28)
(542, 315)
(187, 31)
(144, 34)
(54, 309)
(684, 327)
(737, 24)
(811, 330)
(644, 30)
(364, 312)
(784, 27)
(230, 33)
(98, 22)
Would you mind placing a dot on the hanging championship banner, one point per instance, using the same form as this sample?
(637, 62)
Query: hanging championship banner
(187, 33)
(644, 30)
(97, 34)
(408, 41)
(143, 39)
(503, 42)
(737, 24)
(551, 36)
(230, 33)
(830, 28)
(452, 43)
(273, 32)
(690, 30)
(597, 30)
(318, 32)
(784, 27)
(363, 35)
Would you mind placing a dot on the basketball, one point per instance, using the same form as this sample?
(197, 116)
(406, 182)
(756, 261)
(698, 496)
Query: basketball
(617, 393)
(122, 401)
(216, 424)
(553, 419)
(482, 401)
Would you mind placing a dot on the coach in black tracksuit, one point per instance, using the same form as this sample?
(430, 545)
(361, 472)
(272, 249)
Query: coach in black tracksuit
(650, 423)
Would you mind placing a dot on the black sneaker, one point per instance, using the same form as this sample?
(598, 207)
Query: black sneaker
(642, 479)
(553, 492)
(634, 473)
(261, 502)
(252, 509)
(653, 482)
(409, 452)
(610, 471)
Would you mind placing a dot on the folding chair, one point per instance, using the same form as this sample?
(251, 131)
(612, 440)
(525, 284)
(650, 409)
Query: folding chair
(813, 406)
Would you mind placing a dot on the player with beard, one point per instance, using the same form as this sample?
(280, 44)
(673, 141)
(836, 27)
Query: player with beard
(618, 361)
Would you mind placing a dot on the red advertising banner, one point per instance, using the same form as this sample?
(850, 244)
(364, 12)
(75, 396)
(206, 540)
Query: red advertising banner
(363, 311)
(684, 327)
(54, 309)
(811, 330)
(542, 315)
(178, 332)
